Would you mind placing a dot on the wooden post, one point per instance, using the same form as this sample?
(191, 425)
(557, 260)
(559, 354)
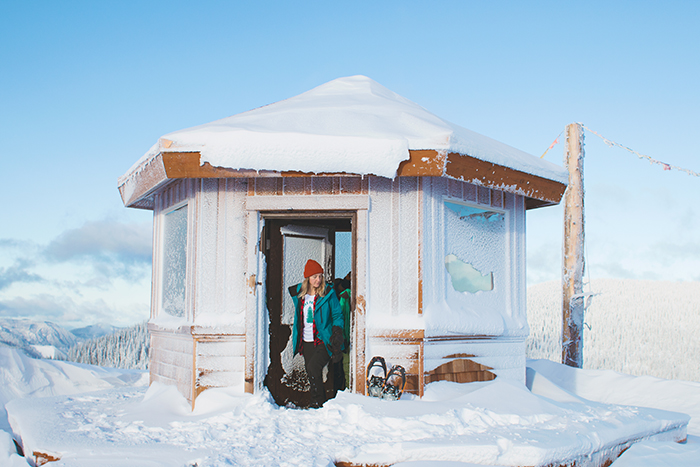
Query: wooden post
(573, 264)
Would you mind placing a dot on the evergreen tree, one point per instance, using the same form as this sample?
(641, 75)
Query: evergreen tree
(126, 348)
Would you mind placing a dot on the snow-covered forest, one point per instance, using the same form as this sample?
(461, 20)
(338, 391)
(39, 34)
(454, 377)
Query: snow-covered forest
(110, 347)
(125, 348)
(635, 327)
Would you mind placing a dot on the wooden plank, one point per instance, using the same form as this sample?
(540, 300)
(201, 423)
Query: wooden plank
(251, 315)
(460, 371)
(322, 185)
(293, 186)
(428, 163)
(497, 199)
(393, 334)
(319, 203)
(137, 188)
(455, 188)
(421, 208)
(483, 195)
(266, 186)
(502, 178)
(470, 192)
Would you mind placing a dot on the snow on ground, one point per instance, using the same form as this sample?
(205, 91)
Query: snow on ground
(23, 378)
(615, 388)
(489, 423)
(122, 422)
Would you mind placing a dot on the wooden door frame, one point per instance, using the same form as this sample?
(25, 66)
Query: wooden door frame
(318, 217)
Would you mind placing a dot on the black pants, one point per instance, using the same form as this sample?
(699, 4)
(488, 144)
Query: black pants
(315, 358)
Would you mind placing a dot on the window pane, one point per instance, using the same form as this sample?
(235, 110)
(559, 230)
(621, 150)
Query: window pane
(174, 261)
(475, 256)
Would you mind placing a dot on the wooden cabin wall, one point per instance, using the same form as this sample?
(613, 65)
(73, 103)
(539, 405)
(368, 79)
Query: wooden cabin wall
(219, 302)
(393, 279)
(401, 254)
(209, 349)
(499, 356)
(279, 186)
(219, 318)
(407, 275)
(503, 353)
(170, 358)
(394, 306)
(220, 361)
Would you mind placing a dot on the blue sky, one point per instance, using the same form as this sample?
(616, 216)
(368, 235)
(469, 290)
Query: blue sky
(87, 87)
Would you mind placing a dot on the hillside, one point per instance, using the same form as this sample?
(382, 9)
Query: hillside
(94, 331)
(631, 326)
(125, 348)
(111, 346)
(36, 338)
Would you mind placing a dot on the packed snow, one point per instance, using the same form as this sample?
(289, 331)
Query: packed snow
(351, 124)
(110, 417)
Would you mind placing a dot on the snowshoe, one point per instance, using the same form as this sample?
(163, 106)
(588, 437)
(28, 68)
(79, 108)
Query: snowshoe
(392, 390)
(375, 383)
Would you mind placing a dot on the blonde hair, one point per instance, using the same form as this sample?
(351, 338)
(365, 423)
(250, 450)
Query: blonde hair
(306, 288)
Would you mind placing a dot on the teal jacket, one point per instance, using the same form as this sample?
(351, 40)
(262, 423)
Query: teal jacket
(326, 315)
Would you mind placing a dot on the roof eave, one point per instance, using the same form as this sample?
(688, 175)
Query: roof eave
(137, 188)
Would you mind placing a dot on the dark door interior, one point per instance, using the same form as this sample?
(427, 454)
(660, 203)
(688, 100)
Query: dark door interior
(287, 243)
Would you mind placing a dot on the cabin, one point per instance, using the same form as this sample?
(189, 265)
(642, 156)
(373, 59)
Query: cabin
(426, 219)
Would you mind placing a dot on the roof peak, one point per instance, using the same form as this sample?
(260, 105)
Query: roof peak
(351, 124)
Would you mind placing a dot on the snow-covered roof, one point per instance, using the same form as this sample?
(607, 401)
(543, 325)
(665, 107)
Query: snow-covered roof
(349, 125)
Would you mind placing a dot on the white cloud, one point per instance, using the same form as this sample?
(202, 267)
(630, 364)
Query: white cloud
(99, 272)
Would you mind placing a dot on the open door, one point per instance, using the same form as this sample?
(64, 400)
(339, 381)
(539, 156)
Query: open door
(290, 242)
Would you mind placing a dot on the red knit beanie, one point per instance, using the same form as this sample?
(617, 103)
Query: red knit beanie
(311, 268)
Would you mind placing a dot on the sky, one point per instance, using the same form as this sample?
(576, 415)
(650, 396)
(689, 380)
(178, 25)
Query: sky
(86, 88)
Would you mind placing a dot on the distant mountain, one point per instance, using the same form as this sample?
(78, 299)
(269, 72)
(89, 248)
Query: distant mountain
(94, 331)
(35, 337)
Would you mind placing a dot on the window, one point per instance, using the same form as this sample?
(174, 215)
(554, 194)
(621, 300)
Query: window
(174, 261)
(474, 240)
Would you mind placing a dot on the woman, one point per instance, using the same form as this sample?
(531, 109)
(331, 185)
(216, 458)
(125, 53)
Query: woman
(318, 322)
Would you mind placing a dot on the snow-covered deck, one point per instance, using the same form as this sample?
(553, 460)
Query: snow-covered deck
(490, 423)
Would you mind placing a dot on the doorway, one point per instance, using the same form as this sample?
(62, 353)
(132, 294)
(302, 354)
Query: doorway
(288, 241)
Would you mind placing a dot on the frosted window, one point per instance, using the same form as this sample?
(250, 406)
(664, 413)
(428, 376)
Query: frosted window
(475, 250)
(174, 261)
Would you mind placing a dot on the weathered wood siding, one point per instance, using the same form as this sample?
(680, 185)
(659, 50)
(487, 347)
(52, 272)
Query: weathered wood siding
(406, 275)
(393, 279)
(220, 260)
(171, 360)
(504, 357)
(220, 362)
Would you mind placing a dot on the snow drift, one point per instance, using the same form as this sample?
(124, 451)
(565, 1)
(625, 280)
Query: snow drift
(498, 422)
